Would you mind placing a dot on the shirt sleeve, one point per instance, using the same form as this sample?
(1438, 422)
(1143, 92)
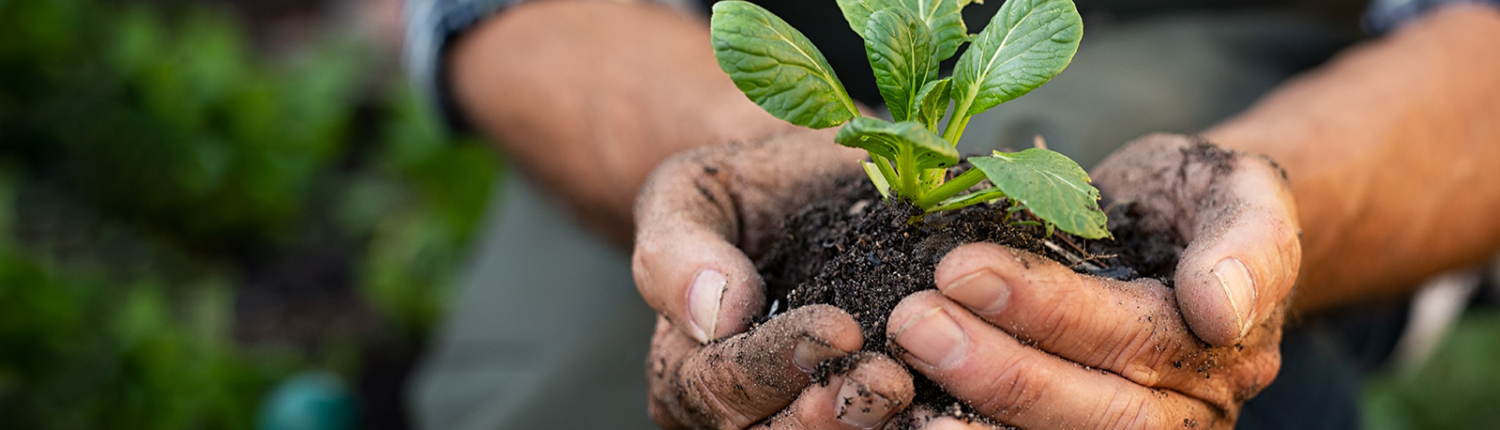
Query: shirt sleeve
(431, 24)
(1383, 16)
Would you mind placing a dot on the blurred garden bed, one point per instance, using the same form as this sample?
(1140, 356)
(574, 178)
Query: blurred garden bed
(190, 216)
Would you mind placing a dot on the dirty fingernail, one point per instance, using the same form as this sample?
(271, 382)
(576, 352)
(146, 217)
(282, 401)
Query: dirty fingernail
(1239, 289)
(982, 291)
(934, 338)
(703, 303)
(861, 407)
(809, 352)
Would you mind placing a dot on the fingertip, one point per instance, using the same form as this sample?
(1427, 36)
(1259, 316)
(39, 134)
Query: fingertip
(873, 392)
(1208, 309)
(704, 285)
(828, 324)
(968, 259)
(867, 397)
(951, 423)
(912, 307)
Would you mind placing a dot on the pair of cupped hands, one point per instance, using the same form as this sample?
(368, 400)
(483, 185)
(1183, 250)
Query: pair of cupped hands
(1024, 340)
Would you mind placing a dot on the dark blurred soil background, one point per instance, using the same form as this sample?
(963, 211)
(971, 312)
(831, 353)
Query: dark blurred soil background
(199, 199)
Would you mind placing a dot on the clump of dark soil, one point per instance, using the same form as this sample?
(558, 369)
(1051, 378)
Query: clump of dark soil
(855, 251)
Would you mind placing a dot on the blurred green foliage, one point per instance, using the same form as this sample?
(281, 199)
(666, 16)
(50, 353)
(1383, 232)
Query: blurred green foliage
(1457, 389)
(164, 122)
(177, 127)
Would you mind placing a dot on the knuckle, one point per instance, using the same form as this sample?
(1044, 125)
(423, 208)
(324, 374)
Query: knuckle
(1016, 387)
(1126, 412)
(701, 399)
(1058, 322)
(1140, 357)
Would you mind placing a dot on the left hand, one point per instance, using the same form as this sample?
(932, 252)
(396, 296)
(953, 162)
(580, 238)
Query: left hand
(1029, 342)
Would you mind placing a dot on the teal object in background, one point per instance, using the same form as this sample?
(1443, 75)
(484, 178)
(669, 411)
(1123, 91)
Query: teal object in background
(309, 401)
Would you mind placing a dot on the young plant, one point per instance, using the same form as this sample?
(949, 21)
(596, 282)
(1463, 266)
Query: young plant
(1025, 45)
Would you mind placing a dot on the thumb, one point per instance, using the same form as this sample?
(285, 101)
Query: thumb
(685, 263)
(1244, 255)
(702, 213)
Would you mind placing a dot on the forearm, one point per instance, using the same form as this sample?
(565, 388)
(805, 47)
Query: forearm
(588, 96)
(1393, 154)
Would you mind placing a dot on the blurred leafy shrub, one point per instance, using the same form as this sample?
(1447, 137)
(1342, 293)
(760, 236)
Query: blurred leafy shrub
(174, 127)
(78, 351)
(1456, 389)
(166, 123)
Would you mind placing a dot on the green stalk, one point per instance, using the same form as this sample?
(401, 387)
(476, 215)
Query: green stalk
(964, 203)
(932, 178)
(906, 167)
(959, 122)
(885, 168)
(957, 185)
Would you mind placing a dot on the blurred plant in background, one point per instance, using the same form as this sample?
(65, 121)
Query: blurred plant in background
(188, 219)
(1456, 389)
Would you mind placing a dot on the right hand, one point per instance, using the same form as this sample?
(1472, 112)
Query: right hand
(705, 213)
(700, 219)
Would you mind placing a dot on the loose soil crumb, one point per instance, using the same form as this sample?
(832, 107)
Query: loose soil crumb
(857, 252)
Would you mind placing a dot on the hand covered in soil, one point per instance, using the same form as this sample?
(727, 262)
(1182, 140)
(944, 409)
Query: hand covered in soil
(764, 378)
(1033, 344)
(701, 217)
(703, 214)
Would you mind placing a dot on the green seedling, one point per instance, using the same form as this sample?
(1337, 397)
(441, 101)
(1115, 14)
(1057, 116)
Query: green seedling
(1025, 45)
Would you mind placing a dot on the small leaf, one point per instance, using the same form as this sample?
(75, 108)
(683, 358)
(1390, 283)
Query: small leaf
(891, 140)
(1025, 45)
(1049, 184)
(932, 102)
(943, 17)
(900, 47)
(777, 67)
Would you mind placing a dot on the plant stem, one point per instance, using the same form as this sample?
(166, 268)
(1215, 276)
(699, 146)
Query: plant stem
(931, 178)
(964, 204)
(957, 185)
(906, 167)
(959, 121)
(885, 168)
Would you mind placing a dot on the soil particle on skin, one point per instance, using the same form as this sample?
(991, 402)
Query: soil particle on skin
(859, 253)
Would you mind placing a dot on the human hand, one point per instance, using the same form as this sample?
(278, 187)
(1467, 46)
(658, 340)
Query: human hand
(699, 220)
(1023, 339)
(764, 377)
(704, 213)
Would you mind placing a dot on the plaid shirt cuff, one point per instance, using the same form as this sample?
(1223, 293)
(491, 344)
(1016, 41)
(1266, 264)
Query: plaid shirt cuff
(1384, 16)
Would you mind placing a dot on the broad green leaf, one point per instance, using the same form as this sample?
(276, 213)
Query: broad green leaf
(1049, 184)
(1025, 45)
(943, 17)
(777, 67)
(893, 140)
(900, 49)
(932, 102)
